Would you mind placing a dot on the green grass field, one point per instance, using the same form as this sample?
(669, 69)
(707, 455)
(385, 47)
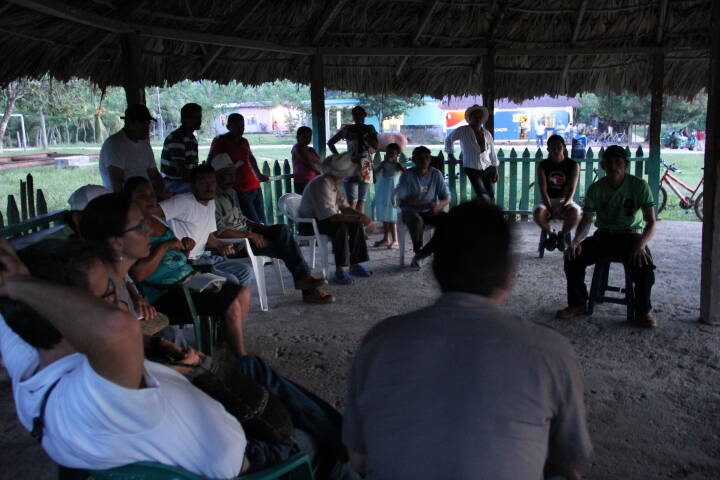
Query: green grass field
(58, 184)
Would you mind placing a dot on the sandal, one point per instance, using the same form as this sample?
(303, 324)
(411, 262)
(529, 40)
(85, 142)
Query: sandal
(393, 245)
(342, 278)
(381, 243)
(360, 271)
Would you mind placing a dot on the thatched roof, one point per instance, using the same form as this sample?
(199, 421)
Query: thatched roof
(392, 46)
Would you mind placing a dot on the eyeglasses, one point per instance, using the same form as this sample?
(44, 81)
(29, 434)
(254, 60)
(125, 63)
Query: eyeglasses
(140, 227)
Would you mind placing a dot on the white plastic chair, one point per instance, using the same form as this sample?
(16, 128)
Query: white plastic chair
(288, 205)
(258, 266)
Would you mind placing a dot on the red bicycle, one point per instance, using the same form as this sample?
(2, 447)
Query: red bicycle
(686, 202)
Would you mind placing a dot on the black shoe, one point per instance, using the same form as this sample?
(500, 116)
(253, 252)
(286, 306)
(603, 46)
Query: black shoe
(552, 242)
(561, 243)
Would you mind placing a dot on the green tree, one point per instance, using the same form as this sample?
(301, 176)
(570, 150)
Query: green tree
(387, 106)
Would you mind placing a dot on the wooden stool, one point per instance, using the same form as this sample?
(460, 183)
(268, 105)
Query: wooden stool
(600, 285)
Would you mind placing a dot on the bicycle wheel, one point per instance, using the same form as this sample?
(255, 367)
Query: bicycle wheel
(662, 199)
(699, 206)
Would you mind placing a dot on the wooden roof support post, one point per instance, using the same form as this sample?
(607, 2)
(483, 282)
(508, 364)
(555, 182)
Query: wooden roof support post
(317, 102)
(710, 261)
(657, 68)
(488, 90)
(134, 81)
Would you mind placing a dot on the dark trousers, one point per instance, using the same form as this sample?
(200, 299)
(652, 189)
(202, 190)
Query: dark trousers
(311, 415)
(348, 240)
(602, 245)
(415, 223)
(300, 188)
(252, 205)
(482, 184)
(282, 245)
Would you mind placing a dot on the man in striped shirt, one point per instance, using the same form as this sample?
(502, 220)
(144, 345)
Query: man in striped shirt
(180, 150)
(478, 152)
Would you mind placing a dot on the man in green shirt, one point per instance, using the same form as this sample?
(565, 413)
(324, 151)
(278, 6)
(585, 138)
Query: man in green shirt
(274, 241)
(625, 211)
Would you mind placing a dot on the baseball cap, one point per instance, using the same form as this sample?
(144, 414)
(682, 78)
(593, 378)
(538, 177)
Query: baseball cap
(221, 160)
(84, 195)
(137, 113)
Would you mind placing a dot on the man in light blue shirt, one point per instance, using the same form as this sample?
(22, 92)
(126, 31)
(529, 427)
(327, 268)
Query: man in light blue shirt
(422, 195)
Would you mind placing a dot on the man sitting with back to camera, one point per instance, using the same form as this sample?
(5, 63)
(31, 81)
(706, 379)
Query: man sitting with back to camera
(462, 389)
(80, 381)
(625, 210)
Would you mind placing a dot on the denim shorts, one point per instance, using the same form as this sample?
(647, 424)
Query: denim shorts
(356, 191)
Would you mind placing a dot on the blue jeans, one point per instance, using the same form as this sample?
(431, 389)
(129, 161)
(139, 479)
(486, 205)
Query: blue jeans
(251, 205)
(234, 270)
(317, 424)
(177, 186)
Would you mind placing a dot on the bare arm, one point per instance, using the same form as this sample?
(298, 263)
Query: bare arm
(359, 462)
(254, 165)
(372, 139)
(145, 267)
(542, 184)
(117, 178)
(158, 184)
(334, 139)
(110, 338)
(572, 184)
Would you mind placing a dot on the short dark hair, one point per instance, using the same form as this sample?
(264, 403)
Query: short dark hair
(302, 130)
(358, 108)
(614, 151)
(105, 217)
(234, 117)
(202, 169)
(421, 149)
(58, 261)
(132, 184)
(473, 249)
(393, 146)
(555, 138)
(188, 109)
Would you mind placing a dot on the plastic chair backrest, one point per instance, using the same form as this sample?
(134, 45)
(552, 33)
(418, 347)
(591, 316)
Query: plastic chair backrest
(298, 464)
(289, 204)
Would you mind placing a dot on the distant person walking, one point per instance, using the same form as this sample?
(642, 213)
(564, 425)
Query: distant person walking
(248, 178)
(180, 150)
(128, 154)
(539, 133)
(478, 150)
(360, 138)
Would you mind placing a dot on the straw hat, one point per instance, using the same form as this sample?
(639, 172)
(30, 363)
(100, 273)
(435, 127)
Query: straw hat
(84, 195)
(340, 165)
(476, 108)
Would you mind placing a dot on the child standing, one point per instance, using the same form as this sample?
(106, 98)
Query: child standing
(387, 173)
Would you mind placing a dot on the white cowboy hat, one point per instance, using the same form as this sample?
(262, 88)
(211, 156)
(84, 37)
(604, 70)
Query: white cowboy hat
(84, 195)
(475, 108)
(340, 165)
(222, 160)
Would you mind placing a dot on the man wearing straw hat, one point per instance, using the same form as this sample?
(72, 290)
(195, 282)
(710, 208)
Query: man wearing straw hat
(478, 150)
(324, 200)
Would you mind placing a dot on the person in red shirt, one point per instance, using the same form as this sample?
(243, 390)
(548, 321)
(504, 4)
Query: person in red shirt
(305, 160)
(247, 181)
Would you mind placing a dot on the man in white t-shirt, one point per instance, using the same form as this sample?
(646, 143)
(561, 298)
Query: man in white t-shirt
(104, 405)
(128, 154)
(193, 215)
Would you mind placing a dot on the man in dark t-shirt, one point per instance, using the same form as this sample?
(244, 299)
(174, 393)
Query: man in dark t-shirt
(557, 177)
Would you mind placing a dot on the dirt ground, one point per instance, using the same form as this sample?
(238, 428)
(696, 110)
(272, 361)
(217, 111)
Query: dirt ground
(653, 397)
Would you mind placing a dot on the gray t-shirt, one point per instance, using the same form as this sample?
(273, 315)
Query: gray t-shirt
(464, 390)
(423, 190)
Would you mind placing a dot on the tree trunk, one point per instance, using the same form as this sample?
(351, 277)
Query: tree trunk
(13, 93)
(43, 130)
(91, 123)
(67, 132)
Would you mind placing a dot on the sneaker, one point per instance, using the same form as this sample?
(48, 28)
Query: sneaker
(551, 242)
(560, 243)
(646, 320)
(309, 282)
(342, 278)
(360, 271)
(319, 297)
(571, 312)
(415, 263)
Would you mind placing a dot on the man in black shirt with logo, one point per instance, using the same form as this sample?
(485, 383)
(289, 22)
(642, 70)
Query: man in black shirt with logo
(557, 177)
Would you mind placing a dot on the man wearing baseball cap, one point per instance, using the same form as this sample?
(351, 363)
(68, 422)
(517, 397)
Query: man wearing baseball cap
(128, 154)
(478, 150)
(625, 210)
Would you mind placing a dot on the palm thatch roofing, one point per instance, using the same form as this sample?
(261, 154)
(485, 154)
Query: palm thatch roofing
(435, 48)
